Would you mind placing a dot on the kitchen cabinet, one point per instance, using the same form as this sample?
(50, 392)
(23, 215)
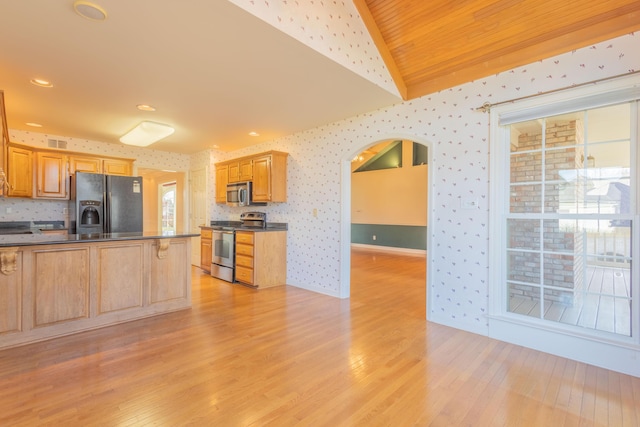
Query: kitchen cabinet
(117, 167)
(205, 249)
(222, 178)
(241, 170)
(51, 175)
(11, 291)
(267, 171)
(85, 164)
(261, 258)
(20, 171)
(50, 290)
(270, 177)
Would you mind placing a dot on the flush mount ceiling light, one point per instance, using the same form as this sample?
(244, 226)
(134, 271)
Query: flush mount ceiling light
(33, 125)
(146, 133)
(254, 134)
(41, 82)
(89, 10)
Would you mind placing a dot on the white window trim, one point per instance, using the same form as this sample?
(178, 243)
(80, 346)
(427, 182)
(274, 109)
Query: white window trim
(618, 354)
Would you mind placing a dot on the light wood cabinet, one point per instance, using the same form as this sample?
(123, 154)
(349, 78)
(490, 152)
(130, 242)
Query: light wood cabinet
(63, 296)
(11, 291)
(20, 172)
(50, 290)
(117, 167)
(267, 171)
(240, 170)
(84, 164)
(49, 170)
(222, 178)
(261, 258)
(206, 249)
(51, 175)
(270, 178)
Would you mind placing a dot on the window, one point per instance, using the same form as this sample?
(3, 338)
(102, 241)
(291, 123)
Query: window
(565, 203)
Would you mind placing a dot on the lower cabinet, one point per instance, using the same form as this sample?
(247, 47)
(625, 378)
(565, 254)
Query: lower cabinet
(60, 289)
(206, 249)
(261, 258)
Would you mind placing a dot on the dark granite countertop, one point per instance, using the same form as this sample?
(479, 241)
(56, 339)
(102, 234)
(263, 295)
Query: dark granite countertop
(7, 240)
(237, 226)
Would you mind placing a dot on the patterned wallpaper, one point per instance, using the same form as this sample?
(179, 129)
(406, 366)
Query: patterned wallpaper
(333, 28)
(459, 139)
(42, 210)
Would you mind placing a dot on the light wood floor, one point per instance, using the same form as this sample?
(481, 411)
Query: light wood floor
(288, 357)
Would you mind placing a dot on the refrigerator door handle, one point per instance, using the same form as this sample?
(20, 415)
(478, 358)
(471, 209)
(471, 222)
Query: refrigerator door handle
(107, 213)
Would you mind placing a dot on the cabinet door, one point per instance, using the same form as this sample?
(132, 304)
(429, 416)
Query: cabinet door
(51, 175)
(117, 167)
(20, 172)
(85, 164)
(246, 170)
(222, 177)
(262, 179)
(205, 250)
(234, 172)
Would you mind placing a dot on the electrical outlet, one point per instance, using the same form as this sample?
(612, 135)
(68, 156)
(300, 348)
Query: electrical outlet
(374, 237)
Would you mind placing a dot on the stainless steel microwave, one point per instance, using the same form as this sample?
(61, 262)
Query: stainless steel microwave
(241, 194)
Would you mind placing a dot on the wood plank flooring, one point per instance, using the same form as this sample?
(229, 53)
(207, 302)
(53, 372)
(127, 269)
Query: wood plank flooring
(604, 304)
(288, 357)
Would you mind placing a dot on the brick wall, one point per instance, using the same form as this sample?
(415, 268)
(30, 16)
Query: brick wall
(563, 152)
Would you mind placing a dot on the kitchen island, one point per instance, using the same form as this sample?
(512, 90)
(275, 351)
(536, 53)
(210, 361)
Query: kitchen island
(55, 284)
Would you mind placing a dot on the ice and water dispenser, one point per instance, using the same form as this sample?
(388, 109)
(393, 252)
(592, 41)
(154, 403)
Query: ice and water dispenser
(89, 217)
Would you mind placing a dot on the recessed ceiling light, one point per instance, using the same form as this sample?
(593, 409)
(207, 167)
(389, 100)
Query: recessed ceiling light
(89, 10)
(34, 125)
(215, 146)
(41, 82)
(146, 107)
(254, 134)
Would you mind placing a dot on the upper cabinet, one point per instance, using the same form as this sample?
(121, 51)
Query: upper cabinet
(222, 178)
(51, 175)
(240, 170)
(267, 171)
(117, 167)
(42, 173)
(20, 172)
(270, 177)
(84, 164)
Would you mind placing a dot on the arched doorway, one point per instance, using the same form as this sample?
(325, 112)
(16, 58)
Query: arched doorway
(350, 233)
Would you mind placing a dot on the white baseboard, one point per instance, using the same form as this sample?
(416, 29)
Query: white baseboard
(377, 248)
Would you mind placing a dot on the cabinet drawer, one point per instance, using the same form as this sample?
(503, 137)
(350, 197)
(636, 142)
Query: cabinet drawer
(206, 233)
(244, 250)
(244, 261)
(246, 238)
(244, 275)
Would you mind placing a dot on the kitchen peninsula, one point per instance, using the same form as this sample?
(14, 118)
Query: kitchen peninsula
(53, 285)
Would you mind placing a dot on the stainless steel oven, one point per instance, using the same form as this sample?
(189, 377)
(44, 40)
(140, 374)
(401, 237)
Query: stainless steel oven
(223, 254)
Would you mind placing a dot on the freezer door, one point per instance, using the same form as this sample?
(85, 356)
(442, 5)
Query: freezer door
(124, 204)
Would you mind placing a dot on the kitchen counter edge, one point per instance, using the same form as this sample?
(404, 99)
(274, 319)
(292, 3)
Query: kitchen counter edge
(10, 240)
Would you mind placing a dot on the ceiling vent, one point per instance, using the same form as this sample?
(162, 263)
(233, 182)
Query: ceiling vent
(56, 143)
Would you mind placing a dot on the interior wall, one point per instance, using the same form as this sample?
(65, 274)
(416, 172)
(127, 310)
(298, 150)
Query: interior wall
(459, 172)
(391, 196)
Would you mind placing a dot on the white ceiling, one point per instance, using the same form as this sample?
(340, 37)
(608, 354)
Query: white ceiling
(212, 70)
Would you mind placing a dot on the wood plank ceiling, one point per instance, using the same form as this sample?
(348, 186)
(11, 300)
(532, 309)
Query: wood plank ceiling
(436, 44)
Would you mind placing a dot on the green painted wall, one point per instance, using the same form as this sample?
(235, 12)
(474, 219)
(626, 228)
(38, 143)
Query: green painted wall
(397, 236)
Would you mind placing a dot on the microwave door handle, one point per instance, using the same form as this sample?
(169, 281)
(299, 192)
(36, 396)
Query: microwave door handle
(241, 196)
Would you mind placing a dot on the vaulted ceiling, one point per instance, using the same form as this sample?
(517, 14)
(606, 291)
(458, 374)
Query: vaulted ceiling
(432, 45)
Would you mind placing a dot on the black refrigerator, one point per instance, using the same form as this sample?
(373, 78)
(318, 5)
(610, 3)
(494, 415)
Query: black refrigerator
(105, 203)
